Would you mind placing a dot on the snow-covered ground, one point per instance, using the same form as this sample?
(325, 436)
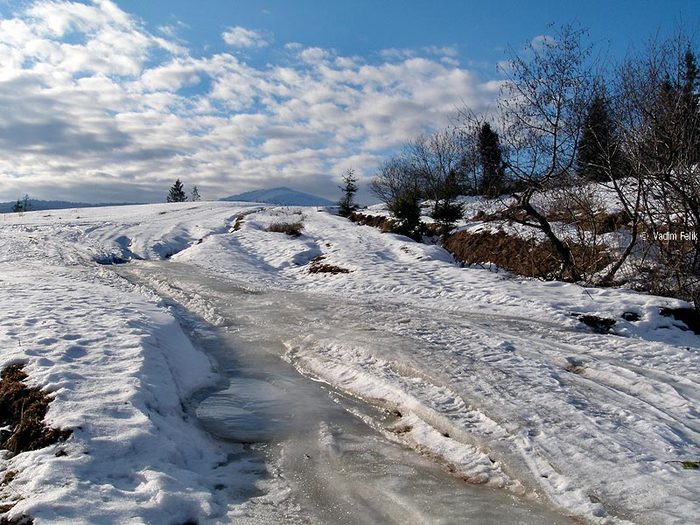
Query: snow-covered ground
(491, 374)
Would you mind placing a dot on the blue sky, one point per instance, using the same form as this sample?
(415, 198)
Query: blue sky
(480, 31)
(111, 101)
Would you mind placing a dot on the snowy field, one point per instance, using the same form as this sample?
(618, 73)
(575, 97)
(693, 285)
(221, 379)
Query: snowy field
(490, 375)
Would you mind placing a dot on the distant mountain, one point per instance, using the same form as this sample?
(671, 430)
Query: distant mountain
(282, 196)
(38, 205)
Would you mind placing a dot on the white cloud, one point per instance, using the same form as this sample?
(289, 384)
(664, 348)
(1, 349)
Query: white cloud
(444, 51)
(244, 38)
(97, 108)
(541, 41)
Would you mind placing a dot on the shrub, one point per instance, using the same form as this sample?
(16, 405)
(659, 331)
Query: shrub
(293, 229)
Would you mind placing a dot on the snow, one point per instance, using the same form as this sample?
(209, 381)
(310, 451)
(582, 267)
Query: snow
(492, 374)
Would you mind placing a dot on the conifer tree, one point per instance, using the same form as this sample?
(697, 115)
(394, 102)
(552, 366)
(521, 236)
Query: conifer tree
(691, 105)
(195, 196)
(598, 157)
(349, 188)
(491, 159)
(177, 192)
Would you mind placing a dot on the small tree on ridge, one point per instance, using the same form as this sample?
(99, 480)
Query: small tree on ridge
(177, 192)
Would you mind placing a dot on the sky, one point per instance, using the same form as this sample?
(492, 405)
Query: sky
(111, 101)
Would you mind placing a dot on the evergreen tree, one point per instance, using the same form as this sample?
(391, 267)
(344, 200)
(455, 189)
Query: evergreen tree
(491, 160)
(447, 210)
(406, 210)
(195, 196)
(177, 192)
(598, 157)
(18, 208)
(691, 105)
(349, 188)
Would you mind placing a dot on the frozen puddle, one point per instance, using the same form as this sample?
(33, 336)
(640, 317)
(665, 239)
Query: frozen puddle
(248, 411)
(326, 447)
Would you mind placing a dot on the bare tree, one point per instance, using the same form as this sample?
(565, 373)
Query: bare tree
(397, 185)
(543, 105)
(661, 137)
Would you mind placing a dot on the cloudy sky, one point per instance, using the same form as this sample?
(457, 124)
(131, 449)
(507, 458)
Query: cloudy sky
(111, 101)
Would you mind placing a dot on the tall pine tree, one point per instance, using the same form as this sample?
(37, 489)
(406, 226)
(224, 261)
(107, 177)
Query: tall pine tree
(177, 192)
(691, 106)
(491, 159)
(598, 156)
(349, 188)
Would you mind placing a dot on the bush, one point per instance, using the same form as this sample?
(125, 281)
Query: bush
(406, 210)
(293, 229)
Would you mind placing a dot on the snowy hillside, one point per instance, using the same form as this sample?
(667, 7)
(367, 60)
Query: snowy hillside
(491, 376)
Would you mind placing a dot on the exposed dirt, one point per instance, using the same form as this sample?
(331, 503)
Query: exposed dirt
(689, 316)
(602, 325)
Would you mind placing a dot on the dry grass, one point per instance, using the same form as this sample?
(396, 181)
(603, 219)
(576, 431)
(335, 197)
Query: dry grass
(527, 257)
(515, 254)
(317, 266)
(293, 229)
(23, 409)
(377, 221)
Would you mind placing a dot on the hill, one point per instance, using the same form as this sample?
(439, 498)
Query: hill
(283, 196)
(39, 205)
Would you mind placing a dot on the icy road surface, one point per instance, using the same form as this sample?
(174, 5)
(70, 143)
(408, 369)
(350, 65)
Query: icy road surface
(344, 459)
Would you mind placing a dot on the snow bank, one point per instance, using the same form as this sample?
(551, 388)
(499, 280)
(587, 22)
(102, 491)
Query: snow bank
(530, 399)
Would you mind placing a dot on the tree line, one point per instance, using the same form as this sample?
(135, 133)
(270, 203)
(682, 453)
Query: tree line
(568, 136)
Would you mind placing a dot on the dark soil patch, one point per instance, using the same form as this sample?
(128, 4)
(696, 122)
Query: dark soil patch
(108, 260)
(631, 316)
(602, 325)
(317, 266)
(23, 409)
(293, 229)
(689, 316)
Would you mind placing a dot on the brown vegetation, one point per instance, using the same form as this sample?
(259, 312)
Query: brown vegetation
(527, 257)
(317, 266)
(293, 229)
(23, 409)
(377, 221)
